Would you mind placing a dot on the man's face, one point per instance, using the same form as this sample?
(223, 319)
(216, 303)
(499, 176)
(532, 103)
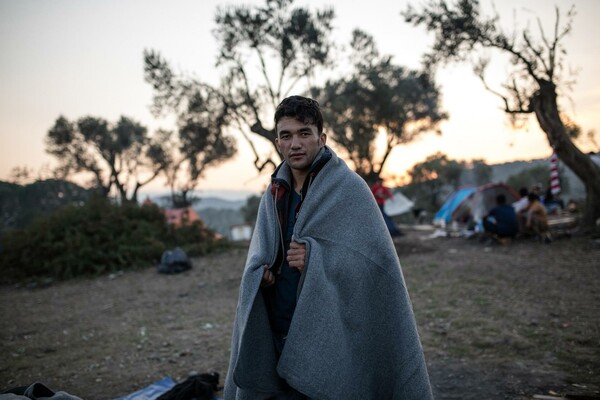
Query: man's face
(298, 142)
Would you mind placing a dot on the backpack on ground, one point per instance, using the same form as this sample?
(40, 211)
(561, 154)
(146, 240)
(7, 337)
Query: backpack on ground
(174, 262)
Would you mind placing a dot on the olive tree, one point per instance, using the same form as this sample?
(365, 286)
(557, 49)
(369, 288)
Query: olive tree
(534, 84)
(377, 97)
(265, 53)
(119, 155)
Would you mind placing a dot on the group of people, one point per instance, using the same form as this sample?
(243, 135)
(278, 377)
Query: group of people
(528, 216)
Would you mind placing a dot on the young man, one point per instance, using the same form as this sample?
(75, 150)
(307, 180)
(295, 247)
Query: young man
(323, 311)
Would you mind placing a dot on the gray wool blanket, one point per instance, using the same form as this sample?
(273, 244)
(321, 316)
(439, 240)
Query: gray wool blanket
(353, 334)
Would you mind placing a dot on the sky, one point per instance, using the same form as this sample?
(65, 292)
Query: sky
(80, 58)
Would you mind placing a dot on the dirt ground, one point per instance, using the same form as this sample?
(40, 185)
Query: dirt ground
(496, 322)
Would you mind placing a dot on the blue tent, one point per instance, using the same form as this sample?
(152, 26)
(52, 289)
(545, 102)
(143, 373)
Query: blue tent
(469, 205)
(444, 215)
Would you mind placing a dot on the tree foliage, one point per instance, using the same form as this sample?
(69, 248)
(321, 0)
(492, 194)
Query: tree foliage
(476, 173)
(119, 155)
(434, 177)
(21, 204)
(200, 144)
(378, 97)
(533, 85)
(96, 238)
(265, 53)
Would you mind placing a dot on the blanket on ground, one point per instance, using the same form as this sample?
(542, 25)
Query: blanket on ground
(353, 334)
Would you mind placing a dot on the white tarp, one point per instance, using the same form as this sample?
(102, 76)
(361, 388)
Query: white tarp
(398, 204)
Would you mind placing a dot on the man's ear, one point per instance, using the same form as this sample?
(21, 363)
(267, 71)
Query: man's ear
(323, 139)
(277, 144)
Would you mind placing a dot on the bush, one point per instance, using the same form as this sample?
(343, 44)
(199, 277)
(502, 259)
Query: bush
(96, 238)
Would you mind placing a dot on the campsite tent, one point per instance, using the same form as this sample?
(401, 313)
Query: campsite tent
(467, 206)
(444, 216)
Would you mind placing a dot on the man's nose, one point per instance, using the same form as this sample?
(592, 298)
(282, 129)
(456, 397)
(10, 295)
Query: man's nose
(295, 141)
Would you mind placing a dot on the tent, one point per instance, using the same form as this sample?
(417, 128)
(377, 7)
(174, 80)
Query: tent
(444, 216)
(467, 206)
(397, 204)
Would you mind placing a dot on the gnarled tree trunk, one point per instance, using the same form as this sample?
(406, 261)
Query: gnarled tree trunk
(544, 104)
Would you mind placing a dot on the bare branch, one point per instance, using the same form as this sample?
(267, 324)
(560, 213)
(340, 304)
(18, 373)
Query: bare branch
(257, 163)
(249, 101)
(521, 109)
(263, 68)
(538, 54)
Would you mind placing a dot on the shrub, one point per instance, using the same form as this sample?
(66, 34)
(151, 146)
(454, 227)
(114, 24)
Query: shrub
(96, 238)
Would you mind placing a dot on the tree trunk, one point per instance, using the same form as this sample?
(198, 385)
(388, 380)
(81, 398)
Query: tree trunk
(544, 104)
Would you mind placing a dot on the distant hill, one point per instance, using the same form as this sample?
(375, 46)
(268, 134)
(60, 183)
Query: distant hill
(220, 214)
(218, 209)
(218, 204)
(221, 219)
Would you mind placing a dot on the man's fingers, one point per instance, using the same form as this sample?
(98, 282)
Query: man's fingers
(296, 255)
(268, 278)
(296, 245)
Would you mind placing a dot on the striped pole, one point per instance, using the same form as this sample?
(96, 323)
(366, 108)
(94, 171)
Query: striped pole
(554, 179)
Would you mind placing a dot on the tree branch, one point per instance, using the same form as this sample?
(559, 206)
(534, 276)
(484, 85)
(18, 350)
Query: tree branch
(247, 97)
(263, 68)
(537, 53)
(522, 109)
(257, 163)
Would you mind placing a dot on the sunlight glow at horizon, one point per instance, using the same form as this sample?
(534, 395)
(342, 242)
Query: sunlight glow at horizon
(76, 59)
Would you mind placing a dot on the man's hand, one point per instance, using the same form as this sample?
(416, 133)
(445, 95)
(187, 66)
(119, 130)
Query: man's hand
(296, 255)
(268, 278)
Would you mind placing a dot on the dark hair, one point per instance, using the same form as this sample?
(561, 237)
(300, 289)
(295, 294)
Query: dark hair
(501, 199)
(532, 197)
(523, 191)
(301, 108)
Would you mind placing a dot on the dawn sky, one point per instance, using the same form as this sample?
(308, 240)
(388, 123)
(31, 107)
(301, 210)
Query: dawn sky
(79, 58)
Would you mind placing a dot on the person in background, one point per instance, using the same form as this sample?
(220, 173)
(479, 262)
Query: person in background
(501, 221)
(523, 202)
(552, 203)
(381, 194)
(537, 219)
(572, 207)
(520, 207)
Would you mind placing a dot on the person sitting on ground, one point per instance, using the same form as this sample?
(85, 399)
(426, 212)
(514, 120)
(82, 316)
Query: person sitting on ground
(537, 219)
(520, 207)
(501, 221)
